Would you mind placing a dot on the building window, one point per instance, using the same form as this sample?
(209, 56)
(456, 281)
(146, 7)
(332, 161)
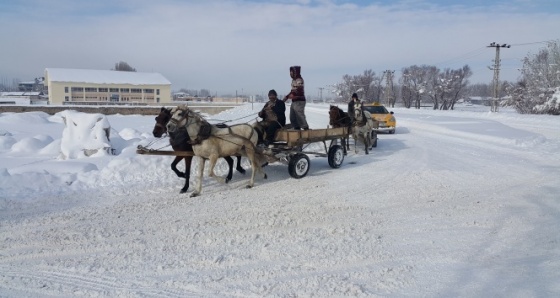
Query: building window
(66, 98)
(103, 90)
(65, 89)
(148, 90)
(157, 91)
(91, 89)
(157, 98)
(77, 89)
(125, 90)
(113, 89)
(136, 90)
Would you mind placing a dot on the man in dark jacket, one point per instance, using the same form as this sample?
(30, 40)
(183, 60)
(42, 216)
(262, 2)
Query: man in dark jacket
(297, 95)
(274, 117)
(351, 104)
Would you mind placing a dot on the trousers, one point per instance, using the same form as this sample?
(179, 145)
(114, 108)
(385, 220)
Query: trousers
(297, 115)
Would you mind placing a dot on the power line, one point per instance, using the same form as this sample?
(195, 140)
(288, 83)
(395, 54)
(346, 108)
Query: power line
(530, 43)
(463, 57)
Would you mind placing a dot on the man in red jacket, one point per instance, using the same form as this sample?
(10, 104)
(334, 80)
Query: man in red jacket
(297, 95)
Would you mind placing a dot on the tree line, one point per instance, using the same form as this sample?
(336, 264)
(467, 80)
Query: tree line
(536, 92)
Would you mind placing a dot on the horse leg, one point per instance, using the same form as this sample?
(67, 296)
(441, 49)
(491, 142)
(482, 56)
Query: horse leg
(213, 159)
(198, 187)
(174, 167)
(355, 143)
(366, 142)
(188, 161)
(230, 168)
(251, 154)
(239, 168)
(343, 143)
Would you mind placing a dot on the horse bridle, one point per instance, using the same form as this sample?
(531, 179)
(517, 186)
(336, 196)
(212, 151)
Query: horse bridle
(176, 122)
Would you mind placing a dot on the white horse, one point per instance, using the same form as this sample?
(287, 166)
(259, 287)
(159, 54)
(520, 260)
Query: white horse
(240, 139)
(362, 127)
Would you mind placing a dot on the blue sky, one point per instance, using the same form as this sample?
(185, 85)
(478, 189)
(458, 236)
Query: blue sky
(248, 46)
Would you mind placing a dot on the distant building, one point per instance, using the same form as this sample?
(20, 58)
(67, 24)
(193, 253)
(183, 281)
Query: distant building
(36, 85)
(23, 98)
(87, 86)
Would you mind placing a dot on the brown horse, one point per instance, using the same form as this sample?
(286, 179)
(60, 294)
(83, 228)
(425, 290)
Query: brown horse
(179, 141)
(339, 118)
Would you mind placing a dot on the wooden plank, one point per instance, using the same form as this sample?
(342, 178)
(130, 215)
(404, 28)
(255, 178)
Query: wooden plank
(300, 137)
(161, 152)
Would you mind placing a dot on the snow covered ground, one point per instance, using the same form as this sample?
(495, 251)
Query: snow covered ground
(455, 204)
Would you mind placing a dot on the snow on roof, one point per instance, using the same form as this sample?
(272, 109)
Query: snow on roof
(19, 93)
(94, 76)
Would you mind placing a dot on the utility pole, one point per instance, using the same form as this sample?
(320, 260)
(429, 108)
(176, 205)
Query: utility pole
(494, 104)
(389, 94)
(321, 93)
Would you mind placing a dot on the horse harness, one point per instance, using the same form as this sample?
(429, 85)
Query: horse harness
(205, 130)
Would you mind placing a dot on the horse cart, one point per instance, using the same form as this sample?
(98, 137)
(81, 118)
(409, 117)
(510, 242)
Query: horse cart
(289, 148)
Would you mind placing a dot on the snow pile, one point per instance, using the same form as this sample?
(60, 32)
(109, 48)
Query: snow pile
(84, 135)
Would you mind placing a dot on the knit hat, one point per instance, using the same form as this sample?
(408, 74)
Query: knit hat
(272, 92)
(354, 95)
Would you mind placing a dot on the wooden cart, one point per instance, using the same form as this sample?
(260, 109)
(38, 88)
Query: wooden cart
(289, 147)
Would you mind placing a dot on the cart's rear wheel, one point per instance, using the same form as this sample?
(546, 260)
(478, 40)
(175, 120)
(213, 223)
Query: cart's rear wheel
(299, 165)
(336, 156)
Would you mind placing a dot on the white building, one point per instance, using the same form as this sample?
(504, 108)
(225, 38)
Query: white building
(87, 86)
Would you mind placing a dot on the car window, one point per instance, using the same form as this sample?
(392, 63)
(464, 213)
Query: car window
(376, 109)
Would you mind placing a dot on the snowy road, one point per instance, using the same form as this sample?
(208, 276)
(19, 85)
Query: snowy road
(458, 204)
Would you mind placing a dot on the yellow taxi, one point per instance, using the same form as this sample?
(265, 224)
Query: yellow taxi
(379, 113)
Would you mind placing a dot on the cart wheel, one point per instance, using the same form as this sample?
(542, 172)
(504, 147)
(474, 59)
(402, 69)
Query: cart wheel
(298, 166)
(336, 156)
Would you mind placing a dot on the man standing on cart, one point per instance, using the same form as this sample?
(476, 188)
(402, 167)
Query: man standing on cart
(274, 117)
(297, 95)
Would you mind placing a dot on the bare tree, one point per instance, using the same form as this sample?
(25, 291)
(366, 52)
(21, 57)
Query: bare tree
(415, 82)
(362, 84)
(459, 81)
(123, 66)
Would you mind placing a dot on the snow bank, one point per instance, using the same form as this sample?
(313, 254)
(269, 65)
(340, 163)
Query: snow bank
(84, 135)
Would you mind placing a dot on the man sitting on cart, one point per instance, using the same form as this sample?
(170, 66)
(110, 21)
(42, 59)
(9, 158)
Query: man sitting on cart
(274, 118)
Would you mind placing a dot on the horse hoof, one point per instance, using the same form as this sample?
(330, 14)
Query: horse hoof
(227, 180)
(249, 186)
(194, 194)
(242, 171)
(184, 190)
(265, 176)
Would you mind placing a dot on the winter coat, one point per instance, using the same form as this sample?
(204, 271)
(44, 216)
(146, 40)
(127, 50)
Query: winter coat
(297, 93)
(279, 109)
